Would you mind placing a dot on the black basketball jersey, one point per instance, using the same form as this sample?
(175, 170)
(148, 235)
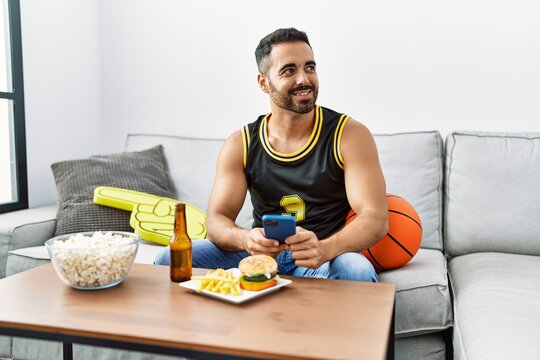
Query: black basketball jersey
(308, 184)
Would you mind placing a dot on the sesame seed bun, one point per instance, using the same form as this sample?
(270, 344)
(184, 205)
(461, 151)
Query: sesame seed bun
(258, 265)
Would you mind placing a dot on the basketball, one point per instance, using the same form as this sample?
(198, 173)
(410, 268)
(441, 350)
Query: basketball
(403, 239)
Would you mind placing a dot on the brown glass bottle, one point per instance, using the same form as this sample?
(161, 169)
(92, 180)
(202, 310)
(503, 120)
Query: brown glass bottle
(180, 245)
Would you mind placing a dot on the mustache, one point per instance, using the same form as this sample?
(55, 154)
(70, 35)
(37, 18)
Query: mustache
(302, 87)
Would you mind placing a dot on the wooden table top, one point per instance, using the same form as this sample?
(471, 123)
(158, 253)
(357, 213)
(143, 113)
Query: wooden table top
(310, 318)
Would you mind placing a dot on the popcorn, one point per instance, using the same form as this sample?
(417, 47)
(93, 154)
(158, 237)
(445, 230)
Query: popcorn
(93, 261)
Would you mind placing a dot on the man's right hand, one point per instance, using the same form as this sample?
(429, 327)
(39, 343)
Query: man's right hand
(257, 244)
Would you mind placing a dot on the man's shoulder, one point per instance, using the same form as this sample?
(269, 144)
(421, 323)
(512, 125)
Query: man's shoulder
(254, 124)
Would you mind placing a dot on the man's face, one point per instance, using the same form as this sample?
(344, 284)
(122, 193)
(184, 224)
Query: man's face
(291, 78)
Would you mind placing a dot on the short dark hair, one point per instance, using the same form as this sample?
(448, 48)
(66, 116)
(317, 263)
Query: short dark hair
(262, 52)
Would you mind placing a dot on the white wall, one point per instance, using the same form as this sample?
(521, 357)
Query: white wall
(97, 70)
(62, 87)
(187, 67)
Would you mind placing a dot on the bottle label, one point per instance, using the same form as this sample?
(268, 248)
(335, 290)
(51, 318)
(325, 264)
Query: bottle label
(181, 259)
(181, 264)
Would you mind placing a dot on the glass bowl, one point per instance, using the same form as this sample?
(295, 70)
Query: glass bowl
(93, 260)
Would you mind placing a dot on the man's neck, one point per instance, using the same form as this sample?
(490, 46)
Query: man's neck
(288, 131)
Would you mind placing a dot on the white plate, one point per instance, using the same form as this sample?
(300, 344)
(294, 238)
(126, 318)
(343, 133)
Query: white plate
(246, 295)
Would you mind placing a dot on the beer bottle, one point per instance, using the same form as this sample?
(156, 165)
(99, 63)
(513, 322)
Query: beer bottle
(180, 245)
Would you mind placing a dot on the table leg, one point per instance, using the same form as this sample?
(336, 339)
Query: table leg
(68, 351)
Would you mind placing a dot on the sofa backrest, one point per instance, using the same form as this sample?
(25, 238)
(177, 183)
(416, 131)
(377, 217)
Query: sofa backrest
(192, 167)
(412, 164)
(492, 193)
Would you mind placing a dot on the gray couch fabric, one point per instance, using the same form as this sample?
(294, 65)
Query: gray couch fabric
(492, 233)
(493, 193)
(423, 302)
(413, 169)
(5, 347)
(31, 227)
(18, 263)
(430, 346)
(496, 305)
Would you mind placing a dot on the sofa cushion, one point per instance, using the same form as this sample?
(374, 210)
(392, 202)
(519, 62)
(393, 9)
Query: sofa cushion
(5, 347)
(29, 227)
(496, 306)
(20, 260)
(492, 193)
(412, 164)
(423, 302)
(422, 347)
(144, 171)
(192, 168)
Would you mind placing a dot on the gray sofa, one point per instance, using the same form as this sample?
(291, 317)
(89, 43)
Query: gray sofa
(479, 201)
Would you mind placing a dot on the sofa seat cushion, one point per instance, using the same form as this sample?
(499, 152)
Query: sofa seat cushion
(28, 258)
(423, 302)
(422, 347)
(5, 347)
(496, 306)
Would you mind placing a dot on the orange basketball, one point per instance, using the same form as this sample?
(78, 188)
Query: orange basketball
(403, 239)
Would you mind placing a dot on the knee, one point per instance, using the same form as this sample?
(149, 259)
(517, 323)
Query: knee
(163, 257)
(353, 266)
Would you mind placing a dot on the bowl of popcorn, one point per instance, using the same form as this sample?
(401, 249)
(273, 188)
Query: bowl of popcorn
(93, 260)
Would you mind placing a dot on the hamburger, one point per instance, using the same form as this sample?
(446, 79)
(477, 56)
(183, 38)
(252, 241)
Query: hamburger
(258, 272)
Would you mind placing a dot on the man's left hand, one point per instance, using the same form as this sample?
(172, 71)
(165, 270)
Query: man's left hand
(306, 248)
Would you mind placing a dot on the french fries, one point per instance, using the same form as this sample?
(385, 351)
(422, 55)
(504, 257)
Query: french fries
(219, 281)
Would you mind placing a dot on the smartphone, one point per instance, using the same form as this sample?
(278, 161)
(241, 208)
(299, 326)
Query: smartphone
(278, 227)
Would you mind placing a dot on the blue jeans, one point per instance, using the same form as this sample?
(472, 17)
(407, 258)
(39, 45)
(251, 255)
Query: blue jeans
(347, 266)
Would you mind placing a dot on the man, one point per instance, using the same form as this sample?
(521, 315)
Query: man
(301, 159)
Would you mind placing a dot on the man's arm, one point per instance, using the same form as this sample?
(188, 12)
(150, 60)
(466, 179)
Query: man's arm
(226, 201)
(366, 193)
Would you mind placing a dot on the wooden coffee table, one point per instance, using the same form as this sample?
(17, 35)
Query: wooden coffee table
(310, 318)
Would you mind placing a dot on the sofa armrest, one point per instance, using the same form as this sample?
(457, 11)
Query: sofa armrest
(25, 228)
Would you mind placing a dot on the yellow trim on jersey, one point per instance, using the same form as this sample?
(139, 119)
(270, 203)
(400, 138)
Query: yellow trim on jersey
(303, 151)
(337, 140)
(246, 140)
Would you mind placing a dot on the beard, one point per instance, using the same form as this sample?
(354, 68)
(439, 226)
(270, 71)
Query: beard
(286, 100)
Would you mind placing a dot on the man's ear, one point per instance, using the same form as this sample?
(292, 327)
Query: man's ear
(263, 82)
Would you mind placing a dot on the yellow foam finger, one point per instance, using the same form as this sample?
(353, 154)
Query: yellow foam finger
(122, 198)
(152, 216)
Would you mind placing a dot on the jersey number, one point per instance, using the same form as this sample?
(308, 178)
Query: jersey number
(294, 206)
